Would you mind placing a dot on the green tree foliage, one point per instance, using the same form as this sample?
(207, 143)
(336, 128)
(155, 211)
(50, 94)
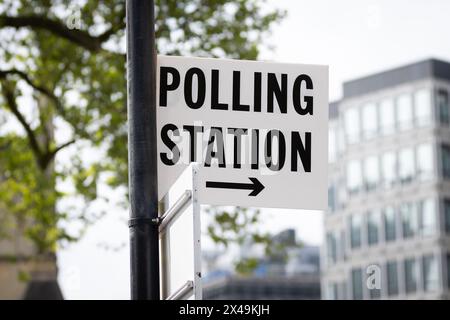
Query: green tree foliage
(238, 225)
(62, 70)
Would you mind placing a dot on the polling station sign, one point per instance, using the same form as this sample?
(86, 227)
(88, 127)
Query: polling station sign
(258, 130)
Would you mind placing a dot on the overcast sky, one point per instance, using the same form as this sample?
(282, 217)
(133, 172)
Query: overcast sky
(354, 38)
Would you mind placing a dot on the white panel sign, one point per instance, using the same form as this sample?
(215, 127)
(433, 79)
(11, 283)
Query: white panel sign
(258, 130)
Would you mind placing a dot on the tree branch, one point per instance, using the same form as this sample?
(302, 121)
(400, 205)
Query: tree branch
(12, 105)
(41, 89)
(80, 37)
(62, 146)
(43, 159)
(24, 76)
(49, 155)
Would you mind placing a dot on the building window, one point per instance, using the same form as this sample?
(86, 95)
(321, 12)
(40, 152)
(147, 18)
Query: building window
(331, 199)
(430, 273)
(392, 278)
(355, 231)
(404, 112)
(409, 220)
(411, 275)
(332, 144)
(342, 246)
(332, 291)
(389, 168)
(352, 125)
(389, 224)
(369, 120)
(354, 180)
(443, 106)
(387, 117)
(446, 161)
(427, 216)
(371, 172)
(343, 291)
(373, 223)
(448, 270)
(340, 139)
(331, 248)
(422, 107)
(406, 165)
(357, 284)
(447, 215)
(425, 163)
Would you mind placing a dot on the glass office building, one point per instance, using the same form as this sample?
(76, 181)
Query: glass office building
(387, 228)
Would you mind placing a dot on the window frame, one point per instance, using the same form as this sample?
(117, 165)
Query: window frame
(373, 216)
(355, 242)
(408, 124)
(414, 275)
(359, 272)
(445, 160)
(412, 222)
(394, 215)
(391, 182)
(389, 281)
(406, 177)
(428, 119)
(444, 117)
(387, 110)
(424, 175)
(372, 109)
(352, 136)
(427, 230)
(434, 281)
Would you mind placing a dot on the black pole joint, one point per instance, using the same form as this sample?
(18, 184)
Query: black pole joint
(140, 221)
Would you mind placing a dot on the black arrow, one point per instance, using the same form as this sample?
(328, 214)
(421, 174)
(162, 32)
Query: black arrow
(256, 186)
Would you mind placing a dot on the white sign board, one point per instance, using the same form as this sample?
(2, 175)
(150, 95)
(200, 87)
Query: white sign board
(258, 130)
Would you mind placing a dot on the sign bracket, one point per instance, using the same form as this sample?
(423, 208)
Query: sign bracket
(183, 292)
(198, 289)
(166, 220)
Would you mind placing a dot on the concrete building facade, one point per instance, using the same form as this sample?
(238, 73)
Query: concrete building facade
(388, 223)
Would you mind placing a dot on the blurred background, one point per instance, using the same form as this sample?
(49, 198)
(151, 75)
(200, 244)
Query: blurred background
(63, 154)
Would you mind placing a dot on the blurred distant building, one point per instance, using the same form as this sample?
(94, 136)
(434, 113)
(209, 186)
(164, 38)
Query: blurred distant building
(294, 274)
(306, 287)
(389, 189)
(25, 273)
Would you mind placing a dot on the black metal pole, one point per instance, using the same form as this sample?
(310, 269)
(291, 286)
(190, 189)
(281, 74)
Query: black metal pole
(142, 152)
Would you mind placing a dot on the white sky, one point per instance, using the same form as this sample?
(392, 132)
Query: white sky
(354, 38)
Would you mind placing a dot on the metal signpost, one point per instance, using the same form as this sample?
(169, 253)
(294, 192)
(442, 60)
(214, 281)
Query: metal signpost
(257, 131)
(143, 183)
